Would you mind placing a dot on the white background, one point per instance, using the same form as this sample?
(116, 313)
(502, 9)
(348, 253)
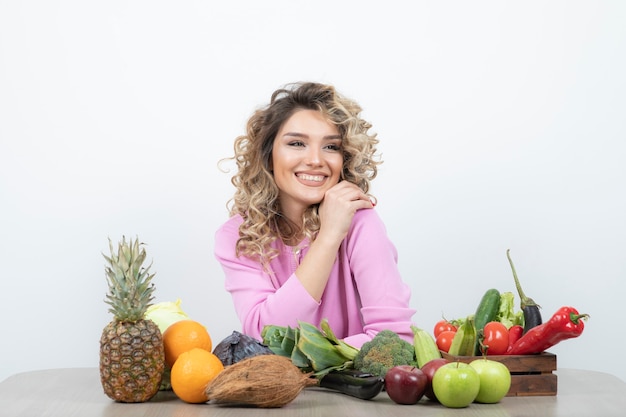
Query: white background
(502, 125)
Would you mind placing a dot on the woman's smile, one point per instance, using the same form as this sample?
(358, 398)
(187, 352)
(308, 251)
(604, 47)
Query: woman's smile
(316, 179)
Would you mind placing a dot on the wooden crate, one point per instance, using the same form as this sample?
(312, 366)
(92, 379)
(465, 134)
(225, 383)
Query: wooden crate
(531, 375)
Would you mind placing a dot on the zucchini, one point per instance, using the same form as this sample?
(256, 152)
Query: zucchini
(425, 346)
(464, 339)
(486, 311)
(354, 383)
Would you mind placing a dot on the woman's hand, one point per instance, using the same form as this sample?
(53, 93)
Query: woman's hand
(338, 207)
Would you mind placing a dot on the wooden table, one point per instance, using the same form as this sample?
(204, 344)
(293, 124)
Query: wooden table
(77, 392)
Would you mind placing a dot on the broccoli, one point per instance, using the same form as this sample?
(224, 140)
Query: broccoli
(383, 352)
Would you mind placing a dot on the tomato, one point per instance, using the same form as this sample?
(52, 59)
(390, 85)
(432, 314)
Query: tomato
(496, 338)
(443, 326)
(444, 340)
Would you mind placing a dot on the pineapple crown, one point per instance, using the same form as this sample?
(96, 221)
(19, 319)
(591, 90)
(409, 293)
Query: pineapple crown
(130, 290)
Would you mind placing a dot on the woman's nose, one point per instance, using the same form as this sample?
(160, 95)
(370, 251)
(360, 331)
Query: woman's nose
(313, 157)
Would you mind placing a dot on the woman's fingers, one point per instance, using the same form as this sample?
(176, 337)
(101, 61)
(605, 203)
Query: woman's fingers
(339, 205)
(347, 191)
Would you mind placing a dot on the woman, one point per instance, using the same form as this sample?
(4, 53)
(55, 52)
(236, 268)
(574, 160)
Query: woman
(303, 242)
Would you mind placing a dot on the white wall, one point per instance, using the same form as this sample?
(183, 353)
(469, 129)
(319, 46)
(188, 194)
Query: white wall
(502, 126)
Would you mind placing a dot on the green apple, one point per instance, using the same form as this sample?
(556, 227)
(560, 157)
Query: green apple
(456, 384)
(495, 380)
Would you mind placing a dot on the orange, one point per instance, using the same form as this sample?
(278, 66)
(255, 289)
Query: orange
(182, 336)
(192, 372)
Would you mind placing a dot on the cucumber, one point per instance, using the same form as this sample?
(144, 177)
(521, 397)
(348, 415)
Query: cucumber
(485, 312)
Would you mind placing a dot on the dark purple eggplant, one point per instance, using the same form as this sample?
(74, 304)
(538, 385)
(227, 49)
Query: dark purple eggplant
(354, 383)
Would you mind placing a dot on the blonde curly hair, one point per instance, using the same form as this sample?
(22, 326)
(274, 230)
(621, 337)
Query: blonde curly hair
(256, 196)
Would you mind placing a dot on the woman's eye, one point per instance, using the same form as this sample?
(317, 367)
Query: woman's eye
(296, 143)
(333, 147)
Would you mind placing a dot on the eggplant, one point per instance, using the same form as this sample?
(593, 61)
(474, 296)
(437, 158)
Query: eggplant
(532, 315)
(354, 383)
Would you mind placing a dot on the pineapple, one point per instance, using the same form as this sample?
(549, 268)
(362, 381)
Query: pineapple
(132, 359)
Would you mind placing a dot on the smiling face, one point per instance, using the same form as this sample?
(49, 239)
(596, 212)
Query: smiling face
(307, 160)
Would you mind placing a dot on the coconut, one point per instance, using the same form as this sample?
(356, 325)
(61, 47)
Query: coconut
(266, 381)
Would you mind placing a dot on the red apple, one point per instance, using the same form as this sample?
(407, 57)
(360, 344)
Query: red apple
(429, 369)
(405, 384)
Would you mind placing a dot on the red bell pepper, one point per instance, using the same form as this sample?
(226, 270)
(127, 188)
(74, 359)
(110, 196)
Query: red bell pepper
(515, 332)
(566, 323)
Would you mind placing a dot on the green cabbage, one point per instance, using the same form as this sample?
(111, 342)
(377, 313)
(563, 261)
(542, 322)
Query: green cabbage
(166, 313)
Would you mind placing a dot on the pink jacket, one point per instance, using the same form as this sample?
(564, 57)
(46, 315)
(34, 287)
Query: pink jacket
(364, 295)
